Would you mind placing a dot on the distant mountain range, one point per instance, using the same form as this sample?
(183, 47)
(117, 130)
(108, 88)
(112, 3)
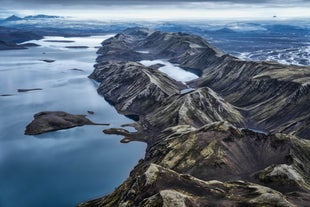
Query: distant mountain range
(39, 16)
(12, 18)
(258, 40)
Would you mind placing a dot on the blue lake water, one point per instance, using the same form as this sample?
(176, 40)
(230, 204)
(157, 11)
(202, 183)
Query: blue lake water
(66, 167)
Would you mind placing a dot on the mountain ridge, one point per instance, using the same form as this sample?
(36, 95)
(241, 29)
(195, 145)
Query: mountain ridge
(252, 83)
(38, 16)
(199, 141)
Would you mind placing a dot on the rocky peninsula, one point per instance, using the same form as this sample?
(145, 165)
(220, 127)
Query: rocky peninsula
(47, 121)
(205, 147)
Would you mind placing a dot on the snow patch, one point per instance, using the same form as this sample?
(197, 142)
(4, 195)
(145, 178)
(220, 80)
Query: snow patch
(171, 70)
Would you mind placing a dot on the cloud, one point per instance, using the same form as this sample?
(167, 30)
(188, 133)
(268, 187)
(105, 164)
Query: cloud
(163, 9)
(74, 3)
(97, 4)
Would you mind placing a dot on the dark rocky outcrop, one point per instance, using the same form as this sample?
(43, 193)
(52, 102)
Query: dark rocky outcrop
(91, 112)
(56, 120)
(132, 87)
(157, 186)
(270, 95)
(128, 136)
(156, 66)
(7, 94)
(23, 90)
(135, 89)
(77, 69)
(219, 151)
(48, 60)
(217, 165)
(195, 108)
(178, 47)
(200, 151)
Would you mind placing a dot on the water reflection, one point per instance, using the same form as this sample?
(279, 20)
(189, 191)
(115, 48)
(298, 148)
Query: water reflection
(65, 167)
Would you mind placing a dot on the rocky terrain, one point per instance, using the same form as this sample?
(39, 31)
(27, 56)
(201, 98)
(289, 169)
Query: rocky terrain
(239, 138)
(48, 121)
(217, 165)
(271, 96)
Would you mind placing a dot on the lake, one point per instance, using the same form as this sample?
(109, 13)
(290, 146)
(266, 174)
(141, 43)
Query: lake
(66, 167)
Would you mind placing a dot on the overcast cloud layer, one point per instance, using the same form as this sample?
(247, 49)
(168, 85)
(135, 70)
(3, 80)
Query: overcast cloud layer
(161, 9)
(42, 3)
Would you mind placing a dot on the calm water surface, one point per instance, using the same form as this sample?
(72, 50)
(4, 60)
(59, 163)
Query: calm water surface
(66, 167)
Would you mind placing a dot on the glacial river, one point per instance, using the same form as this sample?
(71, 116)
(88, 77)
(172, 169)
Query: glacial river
(66, 167)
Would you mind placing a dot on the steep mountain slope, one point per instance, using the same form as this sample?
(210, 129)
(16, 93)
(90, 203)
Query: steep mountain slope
(270, 95)
(133, 88)
(195, 108)
(200, 167)
(200, 152)
(155, 98)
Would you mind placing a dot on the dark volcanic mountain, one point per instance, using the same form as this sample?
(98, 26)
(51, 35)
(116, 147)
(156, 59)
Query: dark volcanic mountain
(271, 96)
(155, 98)
(217, 165)
(201, 150)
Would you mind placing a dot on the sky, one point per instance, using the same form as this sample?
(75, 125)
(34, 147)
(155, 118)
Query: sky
(160, 9)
